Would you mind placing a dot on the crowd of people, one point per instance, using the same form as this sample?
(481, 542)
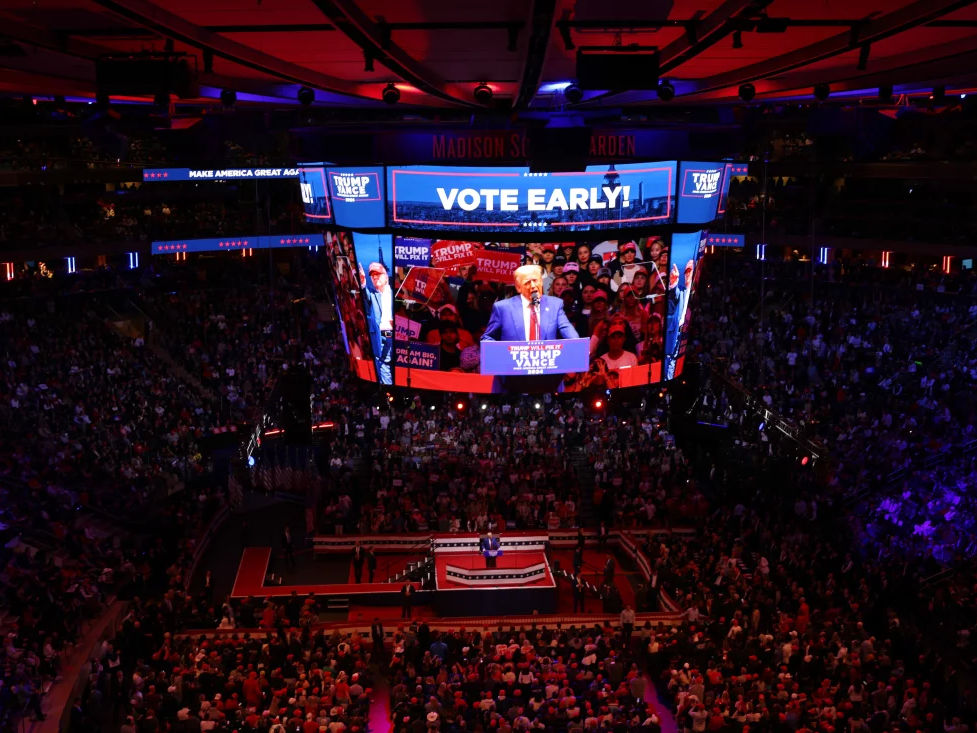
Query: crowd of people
(507, 679)
(784, 627)
(880, 370)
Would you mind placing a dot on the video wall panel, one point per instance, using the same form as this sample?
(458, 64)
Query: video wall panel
(602, 309)
(315, 194)
(683, 276)
(506, 199)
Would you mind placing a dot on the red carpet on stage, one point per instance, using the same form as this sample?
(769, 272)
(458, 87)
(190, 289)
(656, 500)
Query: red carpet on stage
(250, 581)
(387, 567)
(593, 572)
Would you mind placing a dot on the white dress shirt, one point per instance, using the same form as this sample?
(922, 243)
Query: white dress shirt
(527, 308)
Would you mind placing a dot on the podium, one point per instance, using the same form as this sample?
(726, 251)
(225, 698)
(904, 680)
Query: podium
(491, 558)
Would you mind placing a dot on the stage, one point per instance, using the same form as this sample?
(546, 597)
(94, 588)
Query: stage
(520, 583)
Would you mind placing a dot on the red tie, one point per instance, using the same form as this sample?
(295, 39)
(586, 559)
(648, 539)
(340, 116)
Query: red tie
(533, 324)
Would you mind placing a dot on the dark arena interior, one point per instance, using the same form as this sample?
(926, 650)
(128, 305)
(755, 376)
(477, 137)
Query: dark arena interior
(488, 367)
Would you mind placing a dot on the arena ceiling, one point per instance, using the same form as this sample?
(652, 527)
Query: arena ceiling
(437, 51)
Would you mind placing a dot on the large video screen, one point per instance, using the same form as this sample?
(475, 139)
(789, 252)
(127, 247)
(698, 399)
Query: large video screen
(357, 196)
(683, 276)
(515, 199)
(349, 301)
(374, 256)
(602, 308)
(315, 193)
(699, 192)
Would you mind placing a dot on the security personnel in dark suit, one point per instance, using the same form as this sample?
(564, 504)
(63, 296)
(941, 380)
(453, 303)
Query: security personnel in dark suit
(377, 634)
(407, 592)
(579, 589)
(577, 560)
(359, 556)
(371, 562)
(288, 544)
(609, 572)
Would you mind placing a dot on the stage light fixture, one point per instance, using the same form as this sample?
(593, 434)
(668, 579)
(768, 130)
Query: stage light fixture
(747, 92)
(460, 406)
(666, 92)
(737, 40)
(483, 93)
(573, 93)
(822, 92)
(228, 97)
(306, 97)
(537, 405)
(598, 404)
(484, 406)
(885, 93)
(390, 94)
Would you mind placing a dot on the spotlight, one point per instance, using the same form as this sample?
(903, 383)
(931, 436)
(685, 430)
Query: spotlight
(460, 406)
(484, 406)
(805, 460)
(598, 404)
(537, 405)
(939, 93)
(390, 94)
(666, 92)
(821, 92)
(885, 93)
(747, 92)
(737, 39)
(228, 97)
(573, 94)
(432, 408)
(306, 97)
(483, 93)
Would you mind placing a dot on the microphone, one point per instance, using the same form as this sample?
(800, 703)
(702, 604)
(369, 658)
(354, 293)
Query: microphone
(535, 299)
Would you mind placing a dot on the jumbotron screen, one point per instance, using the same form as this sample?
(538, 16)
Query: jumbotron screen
(361, 266)
(604, 312)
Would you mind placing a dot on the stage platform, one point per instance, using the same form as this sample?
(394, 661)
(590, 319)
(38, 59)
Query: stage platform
(521, 582)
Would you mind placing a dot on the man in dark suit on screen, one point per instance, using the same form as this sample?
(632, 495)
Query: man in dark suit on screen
(530, 315)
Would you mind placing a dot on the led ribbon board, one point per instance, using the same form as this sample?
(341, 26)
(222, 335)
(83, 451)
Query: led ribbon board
(215, 174)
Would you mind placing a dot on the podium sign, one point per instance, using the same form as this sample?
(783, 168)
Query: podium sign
(527, 358)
